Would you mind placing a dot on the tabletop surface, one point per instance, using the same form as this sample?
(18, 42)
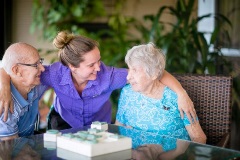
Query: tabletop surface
(145, 146)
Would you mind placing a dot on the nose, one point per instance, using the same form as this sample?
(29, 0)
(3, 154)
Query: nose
(97, 67)
(41, 67)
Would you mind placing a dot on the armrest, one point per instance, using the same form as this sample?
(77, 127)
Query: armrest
(224, 141)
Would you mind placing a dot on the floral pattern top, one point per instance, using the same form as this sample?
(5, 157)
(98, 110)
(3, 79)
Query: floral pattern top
(153, 115)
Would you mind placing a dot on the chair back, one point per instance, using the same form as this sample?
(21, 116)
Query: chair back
(211, 96)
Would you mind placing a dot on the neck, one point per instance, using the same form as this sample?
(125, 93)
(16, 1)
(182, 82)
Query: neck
(23, 90)
(79, 85)
(155, 90)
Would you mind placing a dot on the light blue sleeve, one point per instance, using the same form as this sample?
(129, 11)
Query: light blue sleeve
(171, 99)
(9, 127)
(122, 106)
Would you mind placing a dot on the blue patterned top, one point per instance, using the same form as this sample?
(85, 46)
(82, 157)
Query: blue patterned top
(141, 138)
(154, 115)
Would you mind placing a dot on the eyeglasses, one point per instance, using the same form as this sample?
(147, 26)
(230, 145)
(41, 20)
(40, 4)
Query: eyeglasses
(33, 65)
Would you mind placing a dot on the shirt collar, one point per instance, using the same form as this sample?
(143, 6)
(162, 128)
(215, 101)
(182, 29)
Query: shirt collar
(66, 77)
(18, 96)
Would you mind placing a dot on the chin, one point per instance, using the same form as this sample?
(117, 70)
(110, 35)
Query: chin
(37, 82)
(93, 77)
(135, 89)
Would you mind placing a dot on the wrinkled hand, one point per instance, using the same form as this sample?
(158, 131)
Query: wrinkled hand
(185, 105)
(6, 103)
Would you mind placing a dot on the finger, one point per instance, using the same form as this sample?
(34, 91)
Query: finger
(1, 108)
(181, 113)
(193, 112)
(11, 107)
(5, 114)
(189, 117)
(194, 115)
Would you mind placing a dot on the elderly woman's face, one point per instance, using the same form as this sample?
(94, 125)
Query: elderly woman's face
(139, 79)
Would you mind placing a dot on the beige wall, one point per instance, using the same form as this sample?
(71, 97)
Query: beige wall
(21, 25)
(22, 18)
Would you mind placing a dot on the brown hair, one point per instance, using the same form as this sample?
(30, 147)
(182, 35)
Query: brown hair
(72, 48)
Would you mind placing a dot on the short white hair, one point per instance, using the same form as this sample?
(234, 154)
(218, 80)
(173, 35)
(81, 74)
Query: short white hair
(151, 58)
(16, 53)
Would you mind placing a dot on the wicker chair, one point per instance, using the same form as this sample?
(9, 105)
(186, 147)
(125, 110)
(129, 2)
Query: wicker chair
(211, 96)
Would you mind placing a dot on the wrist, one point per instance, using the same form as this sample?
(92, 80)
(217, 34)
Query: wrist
(183, 93)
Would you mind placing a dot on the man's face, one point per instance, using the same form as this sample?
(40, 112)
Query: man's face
(31, 70)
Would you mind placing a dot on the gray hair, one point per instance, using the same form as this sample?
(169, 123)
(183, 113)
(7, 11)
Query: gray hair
(16, 53)
(151, 58)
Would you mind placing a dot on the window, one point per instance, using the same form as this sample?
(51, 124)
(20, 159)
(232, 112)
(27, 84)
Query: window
(231, 9)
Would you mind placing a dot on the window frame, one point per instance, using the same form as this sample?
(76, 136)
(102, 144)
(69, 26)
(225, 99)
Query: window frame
(207, 25)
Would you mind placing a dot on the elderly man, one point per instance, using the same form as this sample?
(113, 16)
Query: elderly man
(22, 63)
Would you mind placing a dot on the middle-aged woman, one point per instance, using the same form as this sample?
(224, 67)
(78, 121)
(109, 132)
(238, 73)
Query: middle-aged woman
(83, 84)
(147, 104)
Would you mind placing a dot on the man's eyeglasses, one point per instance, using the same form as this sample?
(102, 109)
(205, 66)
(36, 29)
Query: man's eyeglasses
(33, 65)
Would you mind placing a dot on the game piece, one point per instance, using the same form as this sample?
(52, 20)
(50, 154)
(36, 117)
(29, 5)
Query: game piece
(100, 125)
(50, 145)
(51, 135)
(93, 142)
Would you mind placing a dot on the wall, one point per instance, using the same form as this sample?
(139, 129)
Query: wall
(22, 18)
(21, 25)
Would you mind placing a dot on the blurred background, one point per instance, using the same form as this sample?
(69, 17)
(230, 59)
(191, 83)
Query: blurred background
(197, 36)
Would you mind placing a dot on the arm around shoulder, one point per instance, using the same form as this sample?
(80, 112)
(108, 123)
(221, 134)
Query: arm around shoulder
(5, 94)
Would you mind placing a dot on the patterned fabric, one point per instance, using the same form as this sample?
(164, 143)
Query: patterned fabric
(140, 138)
(23, 119)
(93, 104)
(154, 115)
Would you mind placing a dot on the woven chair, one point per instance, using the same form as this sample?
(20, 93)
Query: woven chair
(211, 96)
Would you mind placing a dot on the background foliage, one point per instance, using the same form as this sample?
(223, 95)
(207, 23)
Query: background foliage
(186, 48)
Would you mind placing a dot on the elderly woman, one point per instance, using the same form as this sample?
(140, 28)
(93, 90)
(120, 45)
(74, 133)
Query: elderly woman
(147, 104)
(24, 66)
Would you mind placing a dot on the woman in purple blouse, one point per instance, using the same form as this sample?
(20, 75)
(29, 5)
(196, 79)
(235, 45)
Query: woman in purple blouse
(83, 84)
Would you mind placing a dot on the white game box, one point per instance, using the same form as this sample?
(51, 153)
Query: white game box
(94, 142)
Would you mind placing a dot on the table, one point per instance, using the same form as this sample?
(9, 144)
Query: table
(146, 146)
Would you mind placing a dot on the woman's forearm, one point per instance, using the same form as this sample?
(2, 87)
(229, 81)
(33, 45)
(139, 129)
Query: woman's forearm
(5, 94)
(4, 79)
(170, 81)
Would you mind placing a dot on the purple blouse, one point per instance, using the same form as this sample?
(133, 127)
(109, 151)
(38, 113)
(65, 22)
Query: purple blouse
(93, 104)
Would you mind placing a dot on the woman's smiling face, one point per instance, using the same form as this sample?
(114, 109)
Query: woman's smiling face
(88, 69)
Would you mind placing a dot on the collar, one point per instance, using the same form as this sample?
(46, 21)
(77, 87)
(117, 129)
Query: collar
(18, 96)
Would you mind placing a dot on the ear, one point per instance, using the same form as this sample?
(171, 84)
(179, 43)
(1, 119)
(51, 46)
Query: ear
(72, 68)
(154, 77)
(16, 71)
